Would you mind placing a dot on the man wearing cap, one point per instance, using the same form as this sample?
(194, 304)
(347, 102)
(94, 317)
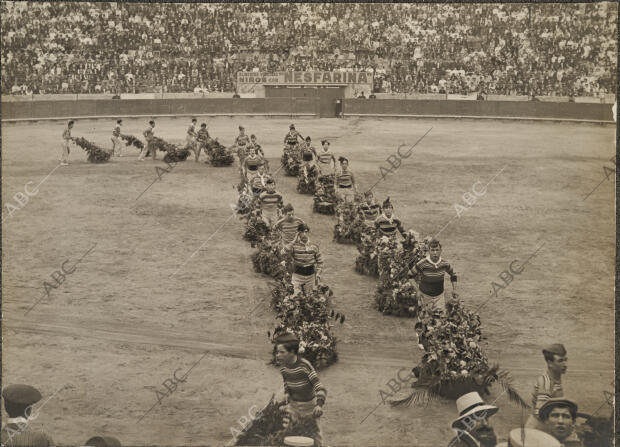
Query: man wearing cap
(549, 384)
(292, 137)
(66, 139)
(18, 401)
(307, 261)
(303, 391)
(558, 415)
(472, 426)
(149, 134)
(116, 139)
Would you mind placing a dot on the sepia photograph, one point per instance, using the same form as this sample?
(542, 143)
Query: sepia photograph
(308, 224)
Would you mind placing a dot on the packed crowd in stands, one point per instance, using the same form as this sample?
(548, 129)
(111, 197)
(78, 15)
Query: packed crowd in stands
(535, 49)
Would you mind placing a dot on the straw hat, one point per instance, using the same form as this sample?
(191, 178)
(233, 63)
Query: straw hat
(472, 403)
(298, 441)
(531, 438)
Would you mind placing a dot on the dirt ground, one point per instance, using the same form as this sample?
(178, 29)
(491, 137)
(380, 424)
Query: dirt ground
(169, 284)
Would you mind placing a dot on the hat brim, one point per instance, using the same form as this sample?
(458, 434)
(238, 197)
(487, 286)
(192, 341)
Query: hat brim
(544, 410)
(490, 410)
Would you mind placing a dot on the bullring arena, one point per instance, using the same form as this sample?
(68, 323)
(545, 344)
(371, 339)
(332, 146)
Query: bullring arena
(169, 284)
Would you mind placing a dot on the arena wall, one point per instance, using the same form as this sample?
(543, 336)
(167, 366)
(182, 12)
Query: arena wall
(479, 109)
(93, 108)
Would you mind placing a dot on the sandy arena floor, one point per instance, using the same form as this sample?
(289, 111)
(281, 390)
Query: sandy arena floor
(124, 321)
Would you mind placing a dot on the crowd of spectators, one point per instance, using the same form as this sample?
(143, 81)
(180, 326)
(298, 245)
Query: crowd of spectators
(538, 49)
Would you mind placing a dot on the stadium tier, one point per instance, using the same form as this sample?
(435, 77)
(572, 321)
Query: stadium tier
(506, 49)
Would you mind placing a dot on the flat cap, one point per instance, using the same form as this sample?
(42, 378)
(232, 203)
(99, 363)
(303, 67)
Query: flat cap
(21, 394)
(543, 412)
(286, 338)
(557, 349)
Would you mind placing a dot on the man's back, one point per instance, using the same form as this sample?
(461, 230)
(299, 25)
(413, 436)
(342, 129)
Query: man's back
(20, 435)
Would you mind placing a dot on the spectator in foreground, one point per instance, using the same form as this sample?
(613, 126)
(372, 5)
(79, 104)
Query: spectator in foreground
(103, 441)
(472, 426)
(528, 437)
(558, 416)
(303, 390)
(18, 401)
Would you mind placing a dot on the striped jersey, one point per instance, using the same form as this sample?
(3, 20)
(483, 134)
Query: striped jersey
(301, 382)
(371, 211)
(541, 395)
(291, 137)
(270, 201)
(66, 134)
(326, 157)
(259, 181)
(148, 133)
(431, 275)
(306, 255)
(242, 140)
(117, 131)
(288, 228)
(345, 178)
(202, 135)
(191, 130)
(307, 152)
(388, 225)
(252, 163)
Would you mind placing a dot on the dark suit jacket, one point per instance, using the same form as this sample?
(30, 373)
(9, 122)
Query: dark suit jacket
(464, 440)
(20, 435)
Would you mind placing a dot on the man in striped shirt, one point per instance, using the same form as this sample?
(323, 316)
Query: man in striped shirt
(325, 160)
(257, 147)
(259, 181)
(370, 209)
(430, 272)
(292, 137)
(308, 152)
(148, 147)
(549, 384)
(303, 391)
(387, 224)
(345, 182)
(202, 136)
(116, 139)
(242, 139)
(270, 203)
(190, 138)
(307, 261)
(287, 226)
(66, 139)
